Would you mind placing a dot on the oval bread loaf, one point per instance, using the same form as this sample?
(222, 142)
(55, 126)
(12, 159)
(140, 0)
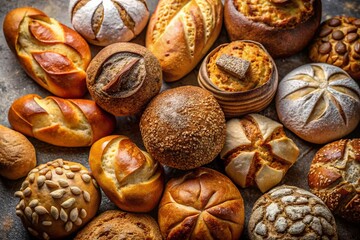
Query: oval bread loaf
(52, 54)
(61, 122)
(181, 32)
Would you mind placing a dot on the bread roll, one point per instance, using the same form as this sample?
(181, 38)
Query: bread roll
(202, 204)
(61, 122)
(288, 212)
(128, 176)
(52, 54)
(120, 225)
(106, 22)
(17, 154)
(257, 152)
(183, 127)
(181, 32)
(334, 177)
(318, 102)
(338, 43)
(284, 27)
(123, 77)
(57, 199)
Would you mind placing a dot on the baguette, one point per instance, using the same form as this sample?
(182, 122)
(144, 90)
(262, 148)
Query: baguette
(61, 122)
(52, 54)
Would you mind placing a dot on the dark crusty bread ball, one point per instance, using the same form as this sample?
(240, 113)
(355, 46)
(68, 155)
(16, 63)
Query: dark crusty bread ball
(183, 127)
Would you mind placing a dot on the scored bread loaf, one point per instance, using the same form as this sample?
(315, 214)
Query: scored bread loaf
(181, 32)
(52, 54)
(61, 122)
(128, 176)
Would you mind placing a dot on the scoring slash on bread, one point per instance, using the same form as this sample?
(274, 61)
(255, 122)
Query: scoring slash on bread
(52, 54)
(105, 22)
(128, 176)
(201, 204)
(334, 176)
(257, 152)
(57, 199)
(61, 122)
(17, 154)
(181, 32)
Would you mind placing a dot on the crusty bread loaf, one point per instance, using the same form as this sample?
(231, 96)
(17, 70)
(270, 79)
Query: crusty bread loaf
(334, 177)
(119, 225)
(202, 204)
(105, 22)
(318, 102)
(128, 176)
(257, 152)
(61, 122)
(181, 32)
(123, 77)
(52, 54)
(57, 199)
(17, 154)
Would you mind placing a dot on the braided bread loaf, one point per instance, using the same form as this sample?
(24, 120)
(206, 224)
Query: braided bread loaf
(61, 122)
(52, 54)
(180, 32)
(128, 176)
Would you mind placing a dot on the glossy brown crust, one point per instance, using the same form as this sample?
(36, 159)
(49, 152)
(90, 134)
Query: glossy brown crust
(334, 176)
(57, 70)
(17, 154)
(194, 206)
(28, 117)
(118, 103)
(138, 182)
(279, 42)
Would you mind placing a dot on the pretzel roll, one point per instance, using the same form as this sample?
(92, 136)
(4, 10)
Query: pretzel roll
(52, 54)
(61, 122)
(128, 176)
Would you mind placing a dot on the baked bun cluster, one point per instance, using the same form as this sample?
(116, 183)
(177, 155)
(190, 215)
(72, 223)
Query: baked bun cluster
(128, 176)
(202, 204)
(104, 22)
(288, 212)
(337, 42)
(334, 177)
(318, 102)
(123, 77)
(284, 27)
(257, 152)
(57, 199)
(183, 127)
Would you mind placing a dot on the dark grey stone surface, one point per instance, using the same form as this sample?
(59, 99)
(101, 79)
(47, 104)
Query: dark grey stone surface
(15, 83)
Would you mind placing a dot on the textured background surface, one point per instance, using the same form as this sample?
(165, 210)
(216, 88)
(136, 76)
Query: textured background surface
(14, 83)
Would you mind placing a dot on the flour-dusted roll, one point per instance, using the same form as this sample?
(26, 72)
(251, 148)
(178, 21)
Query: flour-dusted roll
(181, 32)
(104, 22)
(52, 54)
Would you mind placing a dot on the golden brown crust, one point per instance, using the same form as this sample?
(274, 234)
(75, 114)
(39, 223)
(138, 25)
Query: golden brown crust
(115, 224)
(17, 154)
(195, 207)
(123, 78)
(52, 54)
(61, 122)
(334, 177)
(128, 176)
(180, 32)
(57, 199)
(279, 41)
(183, 127)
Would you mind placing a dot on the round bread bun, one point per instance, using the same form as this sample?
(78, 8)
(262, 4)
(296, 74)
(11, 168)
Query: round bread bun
(116, 224)
(183, 127)
(17, 154)
(57, 199)
(202, 204)
(123, 77)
